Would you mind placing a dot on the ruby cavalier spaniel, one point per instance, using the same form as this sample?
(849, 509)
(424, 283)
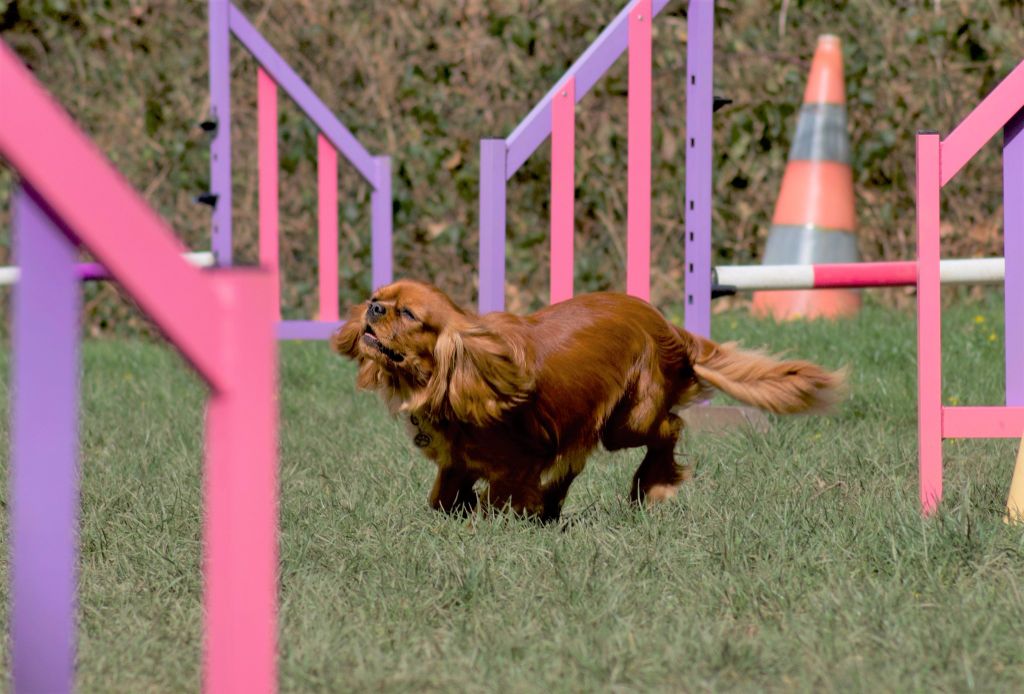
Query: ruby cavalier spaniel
(520, 402)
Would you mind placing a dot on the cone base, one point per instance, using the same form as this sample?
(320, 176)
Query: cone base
(1015, 500)
(806, 304)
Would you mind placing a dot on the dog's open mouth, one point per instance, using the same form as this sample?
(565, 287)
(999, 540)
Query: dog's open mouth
(370, 338)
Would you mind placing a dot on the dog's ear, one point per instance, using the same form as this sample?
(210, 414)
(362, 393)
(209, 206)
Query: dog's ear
(478, 375)
(346, 339)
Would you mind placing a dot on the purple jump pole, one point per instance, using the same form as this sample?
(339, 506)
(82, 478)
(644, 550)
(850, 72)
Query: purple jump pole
(44, 452)
(699, 89)
(491, 295)
(220, 145)
(381, 223)
(327, 229)
(1013, 249)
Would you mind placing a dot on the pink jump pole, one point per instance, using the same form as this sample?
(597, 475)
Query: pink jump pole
(327, 218)
(240, 492)
(267, 171)
(638, 215)
(929, 323)
(563, 193)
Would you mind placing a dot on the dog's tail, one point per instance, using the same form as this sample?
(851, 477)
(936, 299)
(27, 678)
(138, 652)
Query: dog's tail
(775, 385)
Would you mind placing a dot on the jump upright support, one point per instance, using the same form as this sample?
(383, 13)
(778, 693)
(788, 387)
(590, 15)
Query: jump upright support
(222, 321)
(554, 115)
(225, 21)
(938, 161)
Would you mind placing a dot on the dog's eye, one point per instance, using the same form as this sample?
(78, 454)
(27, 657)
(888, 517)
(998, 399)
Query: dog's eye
(408, 314)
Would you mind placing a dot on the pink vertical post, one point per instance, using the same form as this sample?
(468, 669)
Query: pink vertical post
(929, 323)
(563, 189)
(638, 215)
(327, 217)
(267, 172)
(241, 493)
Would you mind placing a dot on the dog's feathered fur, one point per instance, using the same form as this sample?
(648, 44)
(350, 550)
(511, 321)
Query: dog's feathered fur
(520, 402)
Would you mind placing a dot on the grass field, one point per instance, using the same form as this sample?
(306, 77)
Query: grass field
(796, 560)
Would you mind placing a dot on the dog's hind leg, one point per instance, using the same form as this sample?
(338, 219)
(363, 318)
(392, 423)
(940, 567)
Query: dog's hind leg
(659, 475)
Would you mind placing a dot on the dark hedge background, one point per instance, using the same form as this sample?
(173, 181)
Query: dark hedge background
(424, 80)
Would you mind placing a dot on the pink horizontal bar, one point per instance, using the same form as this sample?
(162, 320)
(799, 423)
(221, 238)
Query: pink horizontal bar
(306, 329)
(982, 123)
(982, 422)
(891, 274)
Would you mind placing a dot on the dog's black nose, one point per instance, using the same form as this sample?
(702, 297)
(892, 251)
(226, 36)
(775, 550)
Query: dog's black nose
(375, 311)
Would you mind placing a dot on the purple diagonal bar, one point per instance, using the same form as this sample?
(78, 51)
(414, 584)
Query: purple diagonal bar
(381, 223)
(1013, 249)
(588, 69)
(700, 49)
(44, 452)
(491, 292)
(220, 144)
(300, 92)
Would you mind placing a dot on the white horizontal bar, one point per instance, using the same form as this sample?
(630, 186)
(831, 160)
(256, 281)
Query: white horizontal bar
(973, 271)
(9, 274)
(748, 277)
(758, 277)
(200, 258)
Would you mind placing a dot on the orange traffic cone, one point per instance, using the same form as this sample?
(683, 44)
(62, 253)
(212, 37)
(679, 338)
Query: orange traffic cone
(814, 220)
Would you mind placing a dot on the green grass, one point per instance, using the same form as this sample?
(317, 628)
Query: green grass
(796, 560)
